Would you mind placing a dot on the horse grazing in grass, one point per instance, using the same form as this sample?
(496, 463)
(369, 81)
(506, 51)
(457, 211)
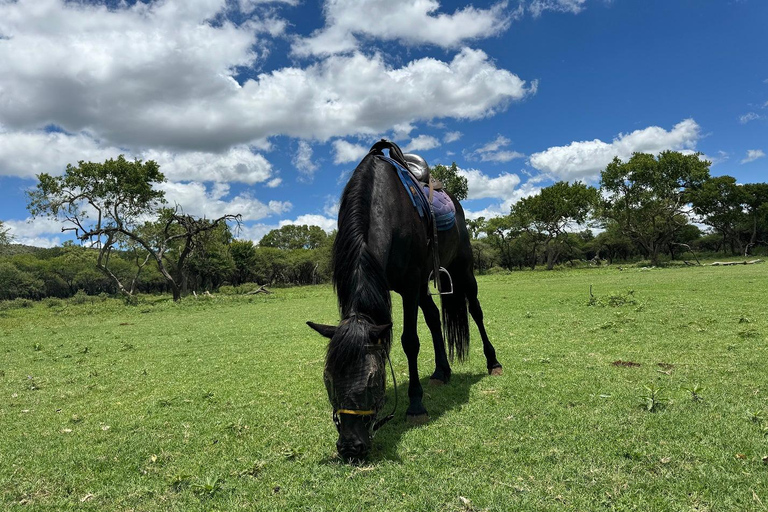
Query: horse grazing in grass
(383, 244)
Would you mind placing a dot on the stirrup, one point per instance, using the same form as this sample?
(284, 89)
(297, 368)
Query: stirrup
(437, 282)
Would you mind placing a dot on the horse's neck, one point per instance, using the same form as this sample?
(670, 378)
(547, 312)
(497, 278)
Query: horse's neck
(359, 275)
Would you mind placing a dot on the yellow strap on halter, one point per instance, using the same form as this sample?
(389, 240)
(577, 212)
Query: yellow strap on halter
(355, 412)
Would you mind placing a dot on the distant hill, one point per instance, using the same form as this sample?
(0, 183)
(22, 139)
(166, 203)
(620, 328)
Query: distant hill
(13, 249)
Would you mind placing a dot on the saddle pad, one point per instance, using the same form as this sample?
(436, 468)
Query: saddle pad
(442, 205)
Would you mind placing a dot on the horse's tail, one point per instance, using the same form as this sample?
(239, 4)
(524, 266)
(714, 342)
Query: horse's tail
(455, 320)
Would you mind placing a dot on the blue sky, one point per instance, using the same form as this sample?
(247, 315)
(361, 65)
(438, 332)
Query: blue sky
(264, 107)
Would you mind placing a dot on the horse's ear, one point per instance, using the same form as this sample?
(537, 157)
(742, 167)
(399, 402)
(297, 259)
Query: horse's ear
(378, 330)
(326, 330)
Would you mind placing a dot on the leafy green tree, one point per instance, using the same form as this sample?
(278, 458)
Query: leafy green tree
(454, 183)
(475, 227)
(210, 263)
(244, 258)
(106, 204)
(5, 235)
(16, 283)
(757, 213)
(720, 202)
(647, 196)
(548, 214)
(293, 236)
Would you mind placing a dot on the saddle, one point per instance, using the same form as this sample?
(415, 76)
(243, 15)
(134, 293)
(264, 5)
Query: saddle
(428, 197)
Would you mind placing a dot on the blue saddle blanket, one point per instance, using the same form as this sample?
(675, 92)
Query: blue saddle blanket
(442, 205)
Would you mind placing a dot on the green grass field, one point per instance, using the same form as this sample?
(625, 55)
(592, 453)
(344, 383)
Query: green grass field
(218, 403)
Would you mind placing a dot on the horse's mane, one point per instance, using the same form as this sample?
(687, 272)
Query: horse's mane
(360, 281)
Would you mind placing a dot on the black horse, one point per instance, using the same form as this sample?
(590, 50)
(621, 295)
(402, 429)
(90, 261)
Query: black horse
(383, 244)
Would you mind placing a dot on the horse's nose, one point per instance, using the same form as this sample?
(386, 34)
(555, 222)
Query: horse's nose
(355, 449)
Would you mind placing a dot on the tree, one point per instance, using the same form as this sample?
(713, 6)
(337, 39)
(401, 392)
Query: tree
(106, 204)
(5, 234)
(244, 257)
(293, 236)
(548, 214)
(453, 183)
(647, 196)
(720, 203)
(757, 213)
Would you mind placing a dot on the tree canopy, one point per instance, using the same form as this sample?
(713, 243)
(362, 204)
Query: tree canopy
(647, 196)
(454, 183)
(108, 204)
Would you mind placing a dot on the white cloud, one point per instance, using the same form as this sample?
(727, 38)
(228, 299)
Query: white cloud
(481, 186)
(345, 152)
(198, 200)
(452, 137)
(303, 160)
(537, 7)
(238, 164)
(410, 22)
(585, 160)
(28, 153)
(160, 75)
(749, 116)
(33, 231)
(326, 223)
(493, 152)
(752, 155)
(503, 208)
(422, 143)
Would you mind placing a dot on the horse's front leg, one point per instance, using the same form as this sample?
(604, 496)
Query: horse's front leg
(410, 340)
(432, 316)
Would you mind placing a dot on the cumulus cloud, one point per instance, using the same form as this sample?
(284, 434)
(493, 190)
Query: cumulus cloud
(238, 164)
(752, 155)
(452, 137)
(303, 160)
(422, 143)
(585, 160)
(480, 185)
(503, 208)
(494, 151)
(160, 75)
(326, 223)
(35, 231)
(409, 22)
(213, 202)
(345, 152)
(28, 153)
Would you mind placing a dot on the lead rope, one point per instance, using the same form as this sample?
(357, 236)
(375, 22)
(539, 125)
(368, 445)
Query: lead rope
(383, 421)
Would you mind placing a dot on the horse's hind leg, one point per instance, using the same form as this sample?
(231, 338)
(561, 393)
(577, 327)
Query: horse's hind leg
(494, 367)
(432, 316)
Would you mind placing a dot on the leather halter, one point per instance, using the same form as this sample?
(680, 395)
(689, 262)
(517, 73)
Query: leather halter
(370, 412)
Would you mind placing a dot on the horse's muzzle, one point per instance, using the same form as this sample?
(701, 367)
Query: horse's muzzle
(355, 449)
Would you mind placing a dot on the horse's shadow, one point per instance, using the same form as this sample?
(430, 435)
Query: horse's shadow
(437, 399)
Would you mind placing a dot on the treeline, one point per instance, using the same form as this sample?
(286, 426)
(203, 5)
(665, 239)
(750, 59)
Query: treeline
(291, 255)
(650, 208)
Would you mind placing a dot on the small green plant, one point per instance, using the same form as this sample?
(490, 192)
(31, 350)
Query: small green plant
(614, 300)
(179, 480)
(696, 390)
(211, 486)
(756, 416)
(652, 398)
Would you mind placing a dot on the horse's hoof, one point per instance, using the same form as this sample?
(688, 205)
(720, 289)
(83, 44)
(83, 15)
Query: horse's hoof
(417, 419)
(437, 382)
(496, 370)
